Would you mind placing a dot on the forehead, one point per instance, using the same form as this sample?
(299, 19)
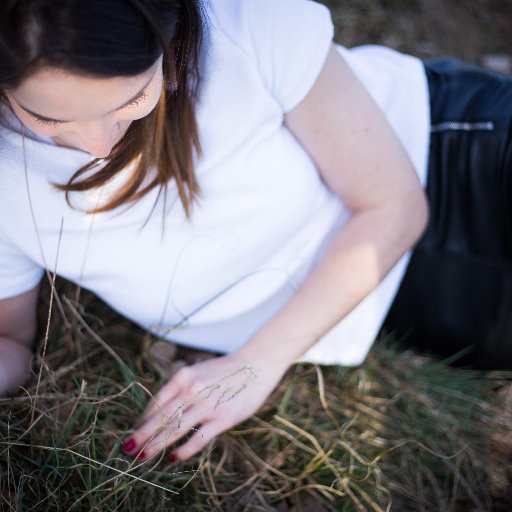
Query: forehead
(60, 94)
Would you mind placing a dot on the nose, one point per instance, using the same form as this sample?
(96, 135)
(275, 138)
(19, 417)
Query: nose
(98, 137)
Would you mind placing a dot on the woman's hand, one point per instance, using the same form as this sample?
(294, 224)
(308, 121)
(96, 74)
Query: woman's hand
(200, 402)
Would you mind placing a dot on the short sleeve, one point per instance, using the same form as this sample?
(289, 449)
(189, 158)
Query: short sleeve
(291, 40)
(18, 273)
(287, 40)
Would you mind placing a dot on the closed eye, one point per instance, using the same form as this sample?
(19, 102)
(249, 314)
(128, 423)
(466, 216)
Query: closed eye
(54, 122)
(135, 101)
(47, 122)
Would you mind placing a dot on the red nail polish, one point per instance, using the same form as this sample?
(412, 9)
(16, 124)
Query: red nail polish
(142, 455)
(173, 457)
(129, 445)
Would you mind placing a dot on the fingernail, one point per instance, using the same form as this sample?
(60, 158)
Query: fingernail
(142, 455)
(173, 457)
(129, 445)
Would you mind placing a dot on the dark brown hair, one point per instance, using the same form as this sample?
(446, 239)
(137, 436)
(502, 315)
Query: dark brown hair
(111, 38)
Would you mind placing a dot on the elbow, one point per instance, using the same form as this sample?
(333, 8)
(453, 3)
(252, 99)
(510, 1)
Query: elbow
(414, 216)
(422, 214)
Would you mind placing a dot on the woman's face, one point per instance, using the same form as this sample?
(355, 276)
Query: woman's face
(89, 114)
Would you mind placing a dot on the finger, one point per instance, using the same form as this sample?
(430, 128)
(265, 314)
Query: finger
(173, 432)
(166, 393)
(203, 435)
(184, 380)
(168, 417)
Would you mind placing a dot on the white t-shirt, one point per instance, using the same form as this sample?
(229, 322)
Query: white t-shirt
(264, 216)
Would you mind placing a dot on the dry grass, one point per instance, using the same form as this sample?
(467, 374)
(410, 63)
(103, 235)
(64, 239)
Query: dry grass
(399, 433)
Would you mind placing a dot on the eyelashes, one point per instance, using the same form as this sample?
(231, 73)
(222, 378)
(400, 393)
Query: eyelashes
(135, 102)
(53, 122)
(47, 122)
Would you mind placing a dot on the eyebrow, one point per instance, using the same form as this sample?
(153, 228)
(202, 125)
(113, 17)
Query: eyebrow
(131, 100)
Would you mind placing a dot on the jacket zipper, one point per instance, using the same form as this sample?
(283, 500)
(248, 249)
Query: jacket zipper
(466, 127)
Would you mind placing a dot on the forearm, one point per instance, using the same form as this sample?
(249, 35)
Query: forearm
(15, 358)
(360, 255)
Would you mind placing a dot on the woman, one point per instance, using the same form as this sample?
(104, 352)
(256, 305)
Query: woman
(213, 178)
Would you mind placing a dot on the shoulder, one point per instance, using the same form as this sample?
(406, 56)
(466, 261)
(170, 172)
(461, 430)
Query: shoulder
(284, 41)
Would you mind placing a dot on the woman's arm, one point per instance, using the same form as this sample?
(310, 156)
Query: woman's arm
(17, 333)
(362, 161)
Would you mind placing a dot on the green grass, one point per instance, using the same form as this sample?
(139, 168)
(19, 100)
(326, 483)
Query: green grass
(401, 432)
